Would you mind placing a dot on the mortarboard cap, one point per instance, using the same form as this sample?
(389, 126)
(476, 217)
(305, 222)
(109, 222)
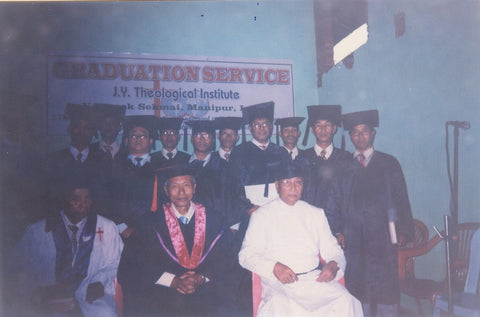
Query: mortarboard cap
(103, 110)
(169, 124)
(233, 123)
(289, 170)
(148, 122)
(262, 110)
(332, 113)
(78, 112)
(207, 126)
(368, 117)
(287, 122)
(176, 170)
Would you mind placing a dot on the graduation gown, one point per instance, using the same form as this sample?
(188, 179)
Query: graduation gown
(145, 259)
(322, 173)
(358, 205)
(131, 190)
(179, 159)
(34, 261)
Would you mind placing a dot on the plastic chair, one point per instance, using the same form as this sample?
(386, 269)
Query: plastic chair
(427, 289)
(118, 298)
(468, 302)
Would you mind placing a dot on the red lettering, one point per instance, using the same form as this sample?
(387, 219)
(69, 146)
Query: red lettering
(126, 71)
(166, 69)
(260, 76)
(93, 71)
(178, 73)
(141, 73)
(250, 74)
(192, 73)
(283, 76)
(222, 74)
(208, 74)
(235, 75)
(155, 71)
(109, 71)
(268, 76)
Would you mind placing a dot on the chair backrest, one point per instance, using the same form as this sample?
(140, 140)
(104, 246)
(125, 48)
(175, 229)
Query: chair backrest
(407, 270)
(461, 253)
(471, 285)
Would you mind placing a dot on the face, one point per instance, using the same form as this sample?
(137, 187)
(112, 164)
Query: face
(228, 138)
(180, 191)
(81, 131)
(109, 127)
(324, 131)
(290, 190)
(78, 204)
(261, 129)
(169, 139)
(290, 135)
(202, 142)
(362, 137)
(139, 141)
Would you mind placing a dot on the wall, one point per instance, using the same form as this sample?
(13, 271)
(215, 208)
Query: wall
(418, 81)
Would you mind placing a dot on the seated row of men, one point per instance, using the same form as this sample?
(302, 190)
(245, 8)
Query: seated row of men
(167, 255)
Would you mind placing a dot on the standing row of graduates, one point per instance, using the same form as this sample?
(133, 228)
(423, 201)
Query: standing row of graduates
(132, 185)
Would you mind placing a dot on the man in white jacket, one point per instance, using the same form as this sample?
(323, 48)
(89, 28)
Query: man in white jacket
(67, 263)
(282, 245)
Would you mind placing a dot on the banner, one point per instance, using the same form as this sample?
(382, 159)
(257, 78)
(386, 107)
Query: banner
(166, 86)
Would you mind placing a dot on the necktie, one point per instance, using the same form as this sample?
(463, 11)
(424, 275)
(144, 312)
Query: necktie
(79, 157)
(361, 159)
(108, 150)
(183, 220)
(74, 230)
(323, 155)
(227, 157)
(264, 147)
(139, 160)
(170, 156)
(197, 163)
(291, 155)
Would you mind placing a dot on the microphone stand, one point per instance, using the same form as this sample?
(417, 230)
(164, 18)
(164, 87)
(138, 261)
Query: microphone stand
(447, 238)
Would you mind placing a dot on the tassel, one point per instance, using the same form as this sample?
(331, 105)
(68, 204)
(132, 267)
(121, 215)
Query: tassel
(343, 141)
(155, 195)
(278, 136)
(244, 137)
(307, 132)
(185, 146)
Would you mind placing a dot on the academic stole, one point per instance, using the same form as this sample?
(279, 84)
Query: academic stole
(184, 259)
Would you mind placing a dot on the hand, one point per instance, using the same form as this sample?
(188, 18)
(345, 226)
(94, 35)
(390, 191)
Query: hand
(94, 292)
(127, 232)
(402, 240)
(187, 283)
(341, 240)
(253, 209)
(284, 274)
(328, 272)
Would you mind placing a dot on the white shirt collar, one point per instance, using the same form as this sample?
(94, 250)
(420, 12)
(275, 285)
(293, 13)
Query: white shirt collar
(294, 152)
(368, 155)
(68, 223)
(193, 157)
(115, 147)
(74, 151)
(188, 215)
(259, 144)
(222, 153)
(318, 150)
(145, 158)
(165, 152)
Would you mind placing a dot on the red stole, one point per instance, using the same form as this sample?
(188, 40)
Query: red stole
(186, 260)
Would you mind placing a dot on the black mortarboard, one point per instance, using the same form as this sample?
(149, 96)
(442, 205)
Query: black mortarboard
(289, 170)
(103, 110)
(78, 112)
(332, 113)
(148, 122)
(262, 110)
(169, 124)
(369, 117)
(287, 122)
(75, 180)
(177, 170)
(233, 123)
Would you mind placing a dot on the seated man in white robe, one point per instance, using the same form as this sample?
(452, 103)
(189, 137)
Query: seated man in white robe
(282, 245)
(65, 265)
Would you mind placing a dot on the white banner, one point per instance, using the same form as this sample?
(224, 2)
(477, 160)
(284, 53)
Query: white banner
(166, 86)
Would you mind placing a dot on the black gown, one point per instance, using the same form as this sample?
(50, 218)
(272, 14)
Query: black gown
(180, 158)
(145, 259)
(358, 207)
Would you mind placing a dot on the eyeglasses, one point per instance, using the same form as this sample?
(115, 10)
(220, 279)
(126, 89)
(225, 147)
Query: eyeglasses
(263, 125)
(138, 137)
(289, 183)
(358, 133)
(201, 135)
(168, 132)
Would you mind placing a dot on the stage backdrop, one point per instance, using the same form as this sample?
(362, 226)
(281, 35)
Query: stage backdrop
(166, 86)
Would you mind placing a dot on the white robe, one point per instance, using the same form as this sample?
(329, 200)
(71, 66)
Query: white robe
(34, 258)
(295, 236)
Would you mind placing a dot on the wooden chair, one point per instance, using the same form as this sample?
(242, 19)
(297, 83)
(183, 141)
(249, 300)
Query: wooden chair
(428, 289)
(119, 298)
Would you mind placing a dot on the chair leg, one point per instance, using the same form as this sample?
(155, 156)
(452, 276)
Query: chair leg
(419, 306)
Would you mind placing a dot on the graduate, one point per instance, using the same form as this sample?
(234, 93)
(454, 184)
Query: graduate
(282, 245)
(369, 210)
(133, 175)
(67, 262)
(179, 262)
(169, 136)
(109, 123)
(288, 130)
(325, 160)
